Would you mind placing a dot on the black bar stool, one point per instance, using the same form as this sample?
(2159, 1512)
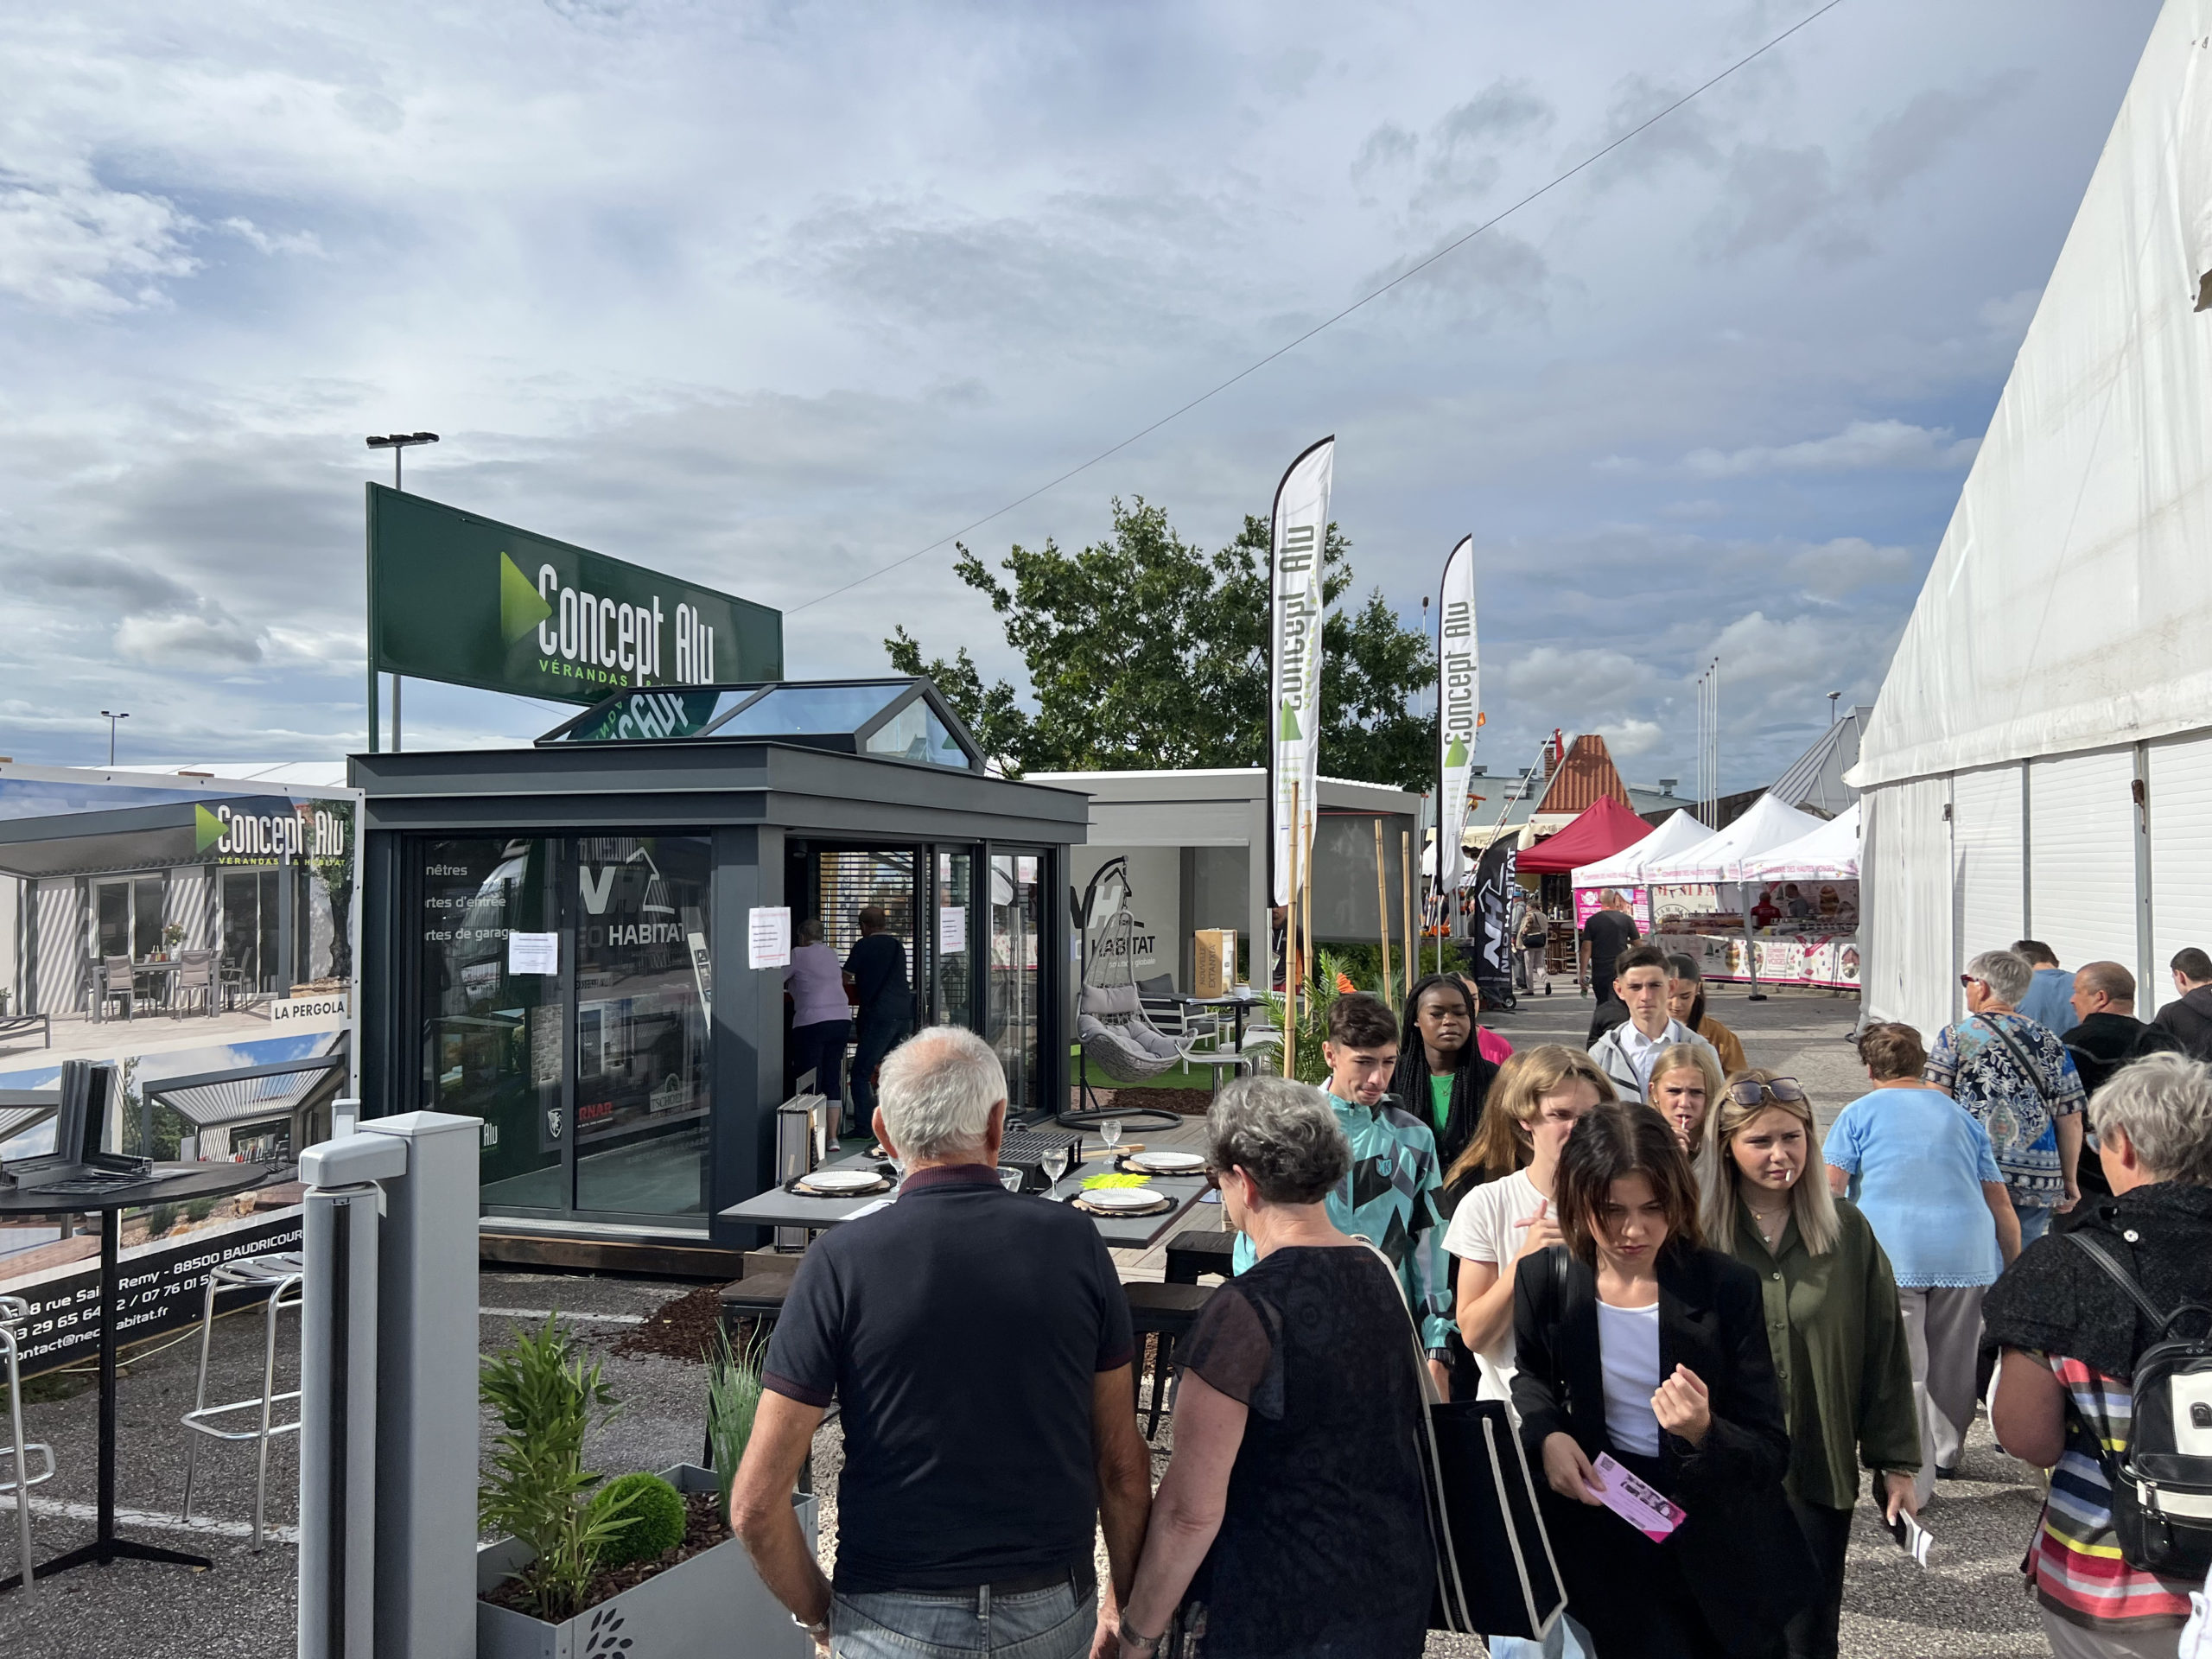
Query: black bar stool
(1164, 1312)
(1197, 1251)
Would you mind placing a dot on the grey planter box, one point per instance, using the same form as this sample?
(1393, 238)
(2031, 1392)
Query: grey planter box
(714, 1603)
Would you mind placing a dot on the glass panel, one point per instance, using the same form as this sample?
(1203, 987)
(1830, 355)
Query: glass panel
(146, 918)
(242, 928)
(846, 881)
(492, 1042)
(810, 710)
(916, 734)
(643, 980)
(1015, 1023)
(647, 715)
(956, 979)
(114, 918)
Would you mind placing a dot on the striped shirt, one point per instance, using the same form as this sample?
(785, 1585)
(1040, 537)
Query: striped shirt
(2075, 1565)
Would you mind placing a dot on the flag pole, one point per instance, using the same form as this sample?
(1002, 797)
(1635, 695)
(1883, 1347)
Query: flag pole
(1405, 882)
(1290, 949)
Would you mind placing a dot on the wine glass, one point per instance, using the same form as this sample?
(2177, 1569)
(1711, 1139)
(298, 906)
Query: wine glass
(1111, 1133)
(1055, 1163)
(1009, 1178)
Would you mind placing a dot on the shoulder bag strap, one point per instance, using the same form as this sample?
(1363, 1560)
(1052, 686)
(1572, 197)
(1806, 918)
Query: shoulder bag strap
(2120, 1276)
(2034, 1071)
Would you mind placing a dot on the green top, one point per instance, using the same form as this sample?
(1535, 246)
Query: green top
(1839, 1347)
(1439, 1096)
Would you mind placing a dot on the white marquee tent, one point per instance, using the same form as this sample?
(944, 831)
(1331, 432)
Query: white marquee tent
(1681, 832)
(1722, 857)
(1829, 853)
(2039, 762)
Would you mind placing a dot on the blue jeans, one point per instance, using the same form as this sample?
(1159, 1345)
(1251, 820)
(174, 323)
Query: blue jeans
(1567, 1640)
(2035, 1221)
(1049, 1624)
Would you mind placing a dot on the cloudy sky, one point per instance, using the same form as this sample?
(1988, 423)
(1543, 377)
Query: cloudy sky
(771, 294)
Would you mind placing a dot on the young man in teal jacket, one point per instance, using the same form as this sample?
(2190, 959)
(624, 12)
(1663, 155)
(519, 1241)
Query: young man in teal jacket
(1390, 1195)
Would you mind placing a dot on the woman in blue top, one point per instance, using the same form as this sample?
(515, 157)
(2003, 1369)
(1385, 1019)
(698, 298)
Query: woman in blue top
(1921, 1169)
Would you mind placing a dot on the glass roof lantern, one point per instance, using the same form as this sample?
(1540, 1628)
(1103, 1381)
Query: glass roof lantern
(904, 719)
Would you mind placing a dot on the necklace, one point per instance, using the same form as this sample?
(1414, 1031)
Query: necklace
(1770, 1226)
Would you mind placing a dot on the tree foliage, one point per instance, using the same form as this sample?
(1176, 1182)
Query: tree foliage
(1144, 650)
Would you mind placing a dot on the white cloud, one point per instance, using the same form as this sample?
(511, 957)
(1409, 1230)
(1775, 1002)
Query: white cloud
(204, 638)
(75, 247)
(1863, 445)
(1627, 739)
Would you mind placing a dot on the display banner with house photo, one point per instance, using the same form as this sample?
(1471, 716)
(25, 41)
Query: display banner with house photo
(199, 935)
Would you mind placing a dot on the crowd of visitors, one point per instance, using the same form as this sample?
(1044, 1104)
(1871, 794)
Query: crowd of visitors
(1646, 1260)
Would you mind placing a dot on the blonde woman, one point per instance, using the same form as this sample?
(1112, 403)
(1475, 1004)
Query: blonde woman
(1832, 1321)
(1537, 1098)
(1685, 1083)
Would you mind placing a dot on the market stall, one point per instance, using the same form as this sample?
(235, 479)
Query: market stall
(1745, 905)
(1623, 871)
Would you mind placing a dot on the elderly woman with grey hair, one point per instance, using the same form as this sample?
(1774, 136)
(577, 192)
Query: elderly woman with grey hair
(2072, 1340)
(1291, 1521)
(2019, 1082)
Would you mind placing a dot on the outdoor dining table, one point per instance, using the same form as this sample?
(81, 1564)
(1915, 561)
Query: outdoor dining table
(1241, 1006)
(166, 1184)
(779, 1208)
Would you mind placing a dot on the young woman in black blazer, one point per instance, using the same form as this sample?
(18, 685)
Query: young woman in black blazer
(1634, 1340)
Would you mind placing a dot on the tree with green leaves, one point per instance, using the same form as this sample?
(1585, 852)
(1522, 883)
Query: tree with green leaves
(1143, 651)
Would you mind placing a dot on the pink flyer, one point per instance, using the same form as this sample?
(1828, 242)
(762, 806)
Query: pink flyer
(1636, 1502)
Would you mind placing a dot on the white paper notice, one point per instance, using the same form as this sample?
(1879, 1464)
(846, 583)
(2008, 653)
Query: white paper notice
(768, 937)
(533, 953)
(952, 929)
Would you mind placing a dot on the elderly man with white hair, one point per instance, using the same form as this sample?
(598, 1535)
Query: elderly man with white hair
(2019, 1082)
(978, 1344)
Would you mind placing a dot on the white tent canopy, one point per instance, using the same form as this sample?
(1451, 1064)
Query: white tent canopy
(1721, 857)
(1829, 853)
(1679, 834)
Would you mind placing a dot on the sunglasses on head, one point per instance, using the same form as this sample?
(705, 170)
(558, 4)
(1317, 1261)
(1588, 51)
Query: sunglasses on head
(1751, 1091)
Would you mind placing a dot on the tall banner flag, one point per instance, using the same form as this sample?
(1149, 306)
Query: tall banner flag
(1302, 529)
(1490, 911)
(1458, 680)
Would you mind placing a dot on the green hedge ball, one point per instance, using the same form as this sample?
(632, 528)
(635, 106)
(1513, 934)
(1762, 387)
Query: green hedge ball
(653, 1525)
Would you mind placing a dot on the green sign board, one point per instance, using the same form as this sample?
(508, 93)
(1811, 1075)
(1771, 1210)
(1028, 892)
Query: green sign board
(457, 597)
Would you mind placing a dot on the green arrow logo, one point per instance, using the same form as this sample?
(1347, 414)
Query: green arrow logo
(207, 828)
(1288, 731)
(522, 607)
(1457, 754)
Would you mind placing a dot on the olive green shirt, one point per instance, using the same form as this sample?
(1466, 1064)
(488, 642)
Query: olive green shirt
(1840, 1353)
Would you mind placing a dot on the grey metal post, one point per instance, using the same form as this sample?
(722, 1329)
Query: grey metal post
(338, 1385)
(426, 1391)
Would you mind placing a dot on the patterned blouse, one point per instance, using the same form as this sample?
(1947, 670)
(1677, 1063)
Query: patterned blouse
(1981, 1071)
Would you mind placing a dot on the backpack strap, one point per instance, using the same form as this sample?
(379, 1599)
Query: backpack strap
(2120, 1276)
(2033, 1071)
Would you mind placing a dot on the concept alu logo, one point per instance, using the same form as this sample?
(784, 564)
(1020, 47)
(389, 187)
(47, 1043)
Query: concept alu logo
(306, 832)
(599, 639)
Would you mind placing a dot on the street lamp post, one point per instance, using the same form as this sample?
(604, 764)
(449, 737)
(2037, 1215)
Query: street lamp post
(399, 443)
(1832, 696)
(112, 715)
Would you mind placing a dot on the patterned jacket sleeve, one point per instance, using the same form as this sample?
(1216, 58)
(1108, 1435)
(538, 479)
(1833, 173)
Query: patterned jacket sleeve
(1426, 1267)
(1943, 1067)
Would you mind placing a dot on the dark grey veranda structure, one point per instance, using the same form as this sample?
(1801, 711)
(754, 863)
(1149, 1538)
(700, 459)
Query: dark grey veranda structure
(554, 939)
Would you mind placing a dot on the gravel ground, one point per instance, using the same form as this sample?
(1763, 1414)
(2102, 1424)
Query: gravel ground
(1969, 1602)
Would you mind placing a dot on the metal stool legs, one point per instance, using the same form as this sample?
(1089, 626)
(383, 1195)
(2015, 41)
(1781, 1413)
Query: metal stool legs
(13, 1310)
(280, 1277)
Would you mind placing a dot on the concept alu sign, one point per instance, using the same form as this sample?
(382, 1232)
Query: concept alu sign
(457, 597)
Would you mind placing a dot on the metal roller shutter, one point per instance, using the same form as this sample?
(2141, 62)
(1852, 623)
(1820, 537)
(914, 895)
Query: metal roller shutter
(1985, 855)
(2082, 856)
(2180, 859)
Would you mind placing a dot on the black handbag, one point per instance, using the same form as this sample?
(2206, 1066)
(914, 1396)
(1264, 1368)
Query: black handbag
(1495, 1571)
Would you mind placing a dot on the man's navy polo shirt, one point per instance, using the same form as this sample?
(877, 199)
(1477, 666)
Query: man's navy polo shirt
(961, 1330)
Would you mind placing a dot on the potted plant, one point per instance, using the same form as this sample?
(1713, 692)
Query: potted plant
(641, 1565)
(172, 936)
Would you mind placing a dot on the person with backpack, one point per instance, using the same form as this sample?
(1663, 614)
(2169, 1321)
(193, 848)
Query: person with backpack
(2104, 1372)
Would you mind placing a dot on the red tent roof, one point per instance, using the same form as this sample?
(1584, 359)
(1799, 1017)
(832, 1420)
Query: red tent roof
(1599, 831)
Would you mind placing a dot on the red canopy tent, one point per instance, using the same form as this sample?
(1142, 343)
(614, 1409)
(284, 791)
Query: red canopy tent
(1599, 831)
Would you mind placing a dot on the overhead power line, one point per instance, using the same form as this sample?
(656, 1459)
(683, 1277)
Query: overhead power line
(1367, 299)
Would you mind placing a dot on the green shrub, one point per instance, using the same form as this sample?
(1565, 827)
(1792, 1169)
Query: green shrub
(733, 1397)
(652, 1518)
(547, 1399)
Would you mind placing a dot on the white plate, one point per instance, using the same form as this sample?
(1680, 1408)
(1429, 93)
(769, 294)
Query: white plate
(841, 1181)
(1121, 1198)
(1169, 1163)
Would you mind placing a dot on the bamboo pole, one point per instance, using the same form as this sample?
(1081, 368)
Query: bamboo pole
(1413, 936)
(1382, 907)
(1290, 949)
(1305, 919)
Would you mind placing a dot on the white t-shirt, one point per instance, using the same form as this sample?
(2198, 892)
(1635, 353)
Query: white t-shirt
(1628, 1351)
(1483, 1230)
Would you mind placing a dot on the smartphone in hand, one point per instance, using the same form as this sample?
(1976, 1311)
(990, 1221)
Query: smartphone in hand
(1913, 1538)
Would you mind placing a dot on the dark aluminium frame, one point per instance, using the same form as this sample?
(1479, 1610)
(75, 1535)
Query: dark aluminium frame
(750, 800)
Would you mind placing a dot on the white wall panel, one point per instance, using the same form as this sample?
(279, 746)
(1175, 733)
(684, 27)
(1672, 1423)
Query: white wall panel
(2081, 857)
(61, 948)
(1906, 900)
(2181, 858)
(1986, 856)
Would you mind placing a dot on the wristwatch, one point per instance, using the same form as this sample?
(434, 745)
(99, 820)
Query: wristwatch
(819, 1630)
(1134, 1637)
